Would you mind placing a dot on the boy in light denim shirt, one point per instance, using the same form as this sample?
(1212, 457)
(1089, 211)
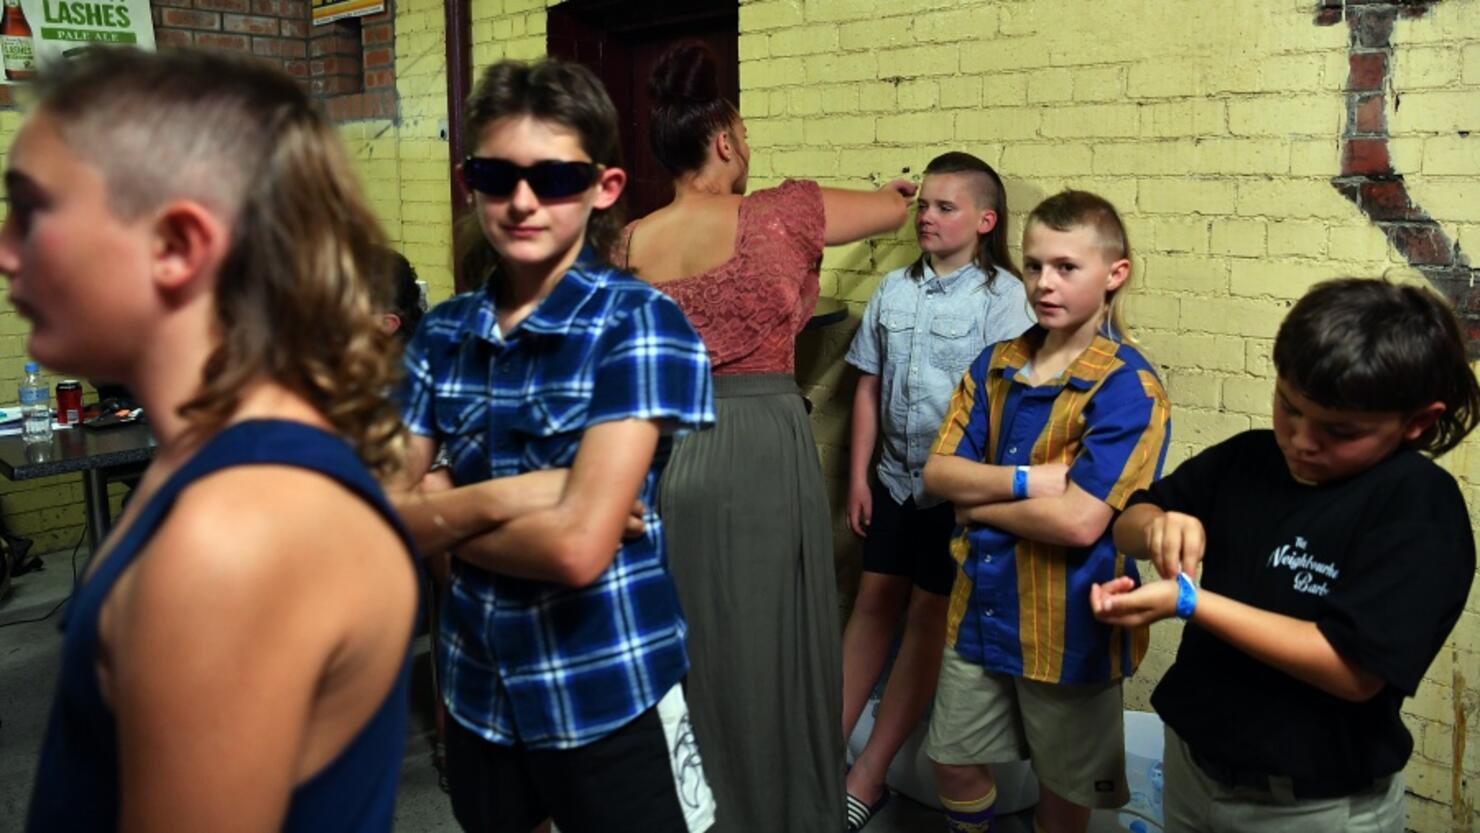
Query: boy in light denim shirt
(921, 330)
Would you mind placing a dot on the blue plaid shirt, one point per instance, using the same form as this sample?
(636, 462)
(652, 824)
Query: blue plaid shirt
(532, 662)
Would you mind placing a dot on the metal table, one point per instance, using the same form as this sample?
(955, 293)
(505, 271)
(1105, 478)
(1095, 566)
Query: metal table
(102, 457)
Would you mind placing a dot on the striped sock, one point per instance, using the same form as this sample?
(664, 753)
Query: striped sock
(971, 816)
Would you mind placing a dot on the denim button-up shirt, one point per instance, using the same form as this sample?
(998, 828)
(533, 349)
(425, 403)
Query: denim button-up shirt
(919, 335)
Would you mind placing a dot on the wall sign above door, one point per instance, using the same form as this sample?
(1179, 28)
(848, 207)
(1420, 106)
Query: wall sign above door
(328, 11)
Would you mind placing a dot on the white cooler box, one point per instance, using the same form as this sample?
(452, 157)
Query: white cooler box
(911, 773)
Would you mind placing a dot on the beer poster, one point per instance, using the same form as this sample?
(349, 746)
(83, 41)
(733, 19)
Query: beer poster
(328, 11)
(37, 31)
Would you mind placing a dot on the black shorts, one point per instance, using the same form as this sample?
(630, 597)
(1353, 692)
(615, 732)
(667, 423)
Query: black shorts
(642, 778)
(915, 543)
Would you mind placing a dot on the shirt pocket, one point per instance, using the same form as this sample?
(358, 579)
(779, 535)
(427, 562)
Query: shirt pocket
(459, 415)
(548, 427)
(899, 331)
(953, 343)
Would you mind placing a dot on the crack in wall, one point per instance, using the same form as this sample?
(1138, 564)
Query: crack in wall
(1367, 176)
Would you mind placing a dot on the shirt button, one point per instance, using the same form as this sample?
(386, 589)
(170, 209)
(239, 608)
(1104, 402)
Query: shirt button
(1012, 450)
(989, 611)
(988, 559)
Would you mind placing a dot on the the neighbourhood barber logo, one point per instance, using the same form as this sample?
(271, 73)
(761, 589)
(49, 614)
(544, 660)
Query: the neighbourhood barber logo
(1312, 576)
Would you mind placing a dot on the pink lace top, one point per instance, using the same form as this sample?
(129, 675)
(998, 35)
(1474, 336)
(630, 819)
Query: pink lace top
(750, 308)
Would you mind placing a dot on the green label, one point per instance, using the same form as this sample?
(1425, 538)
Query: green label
(18, 51)
(50, 33)
(82, 13)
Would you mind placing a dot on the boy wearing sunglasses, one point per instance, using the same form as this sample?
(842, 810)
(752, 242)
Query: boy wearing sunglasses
(555, 391)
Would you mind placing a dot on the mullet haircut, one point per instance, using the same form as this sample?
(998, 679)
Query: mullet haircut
(987, 189)
(563, 93)
(1068, 210)
(295, 297)
(1369, 345)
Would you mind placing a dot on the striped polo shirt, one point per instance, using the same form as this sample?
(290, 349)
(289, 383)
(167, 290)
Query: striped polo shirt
(1021, 607)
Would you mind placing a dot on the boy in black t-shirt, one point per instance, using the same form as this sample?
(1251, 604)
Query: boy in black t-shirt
(1338, 560)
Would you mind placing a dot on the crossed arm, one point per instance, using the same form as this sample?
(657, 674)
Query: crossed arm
(1056, 510)
(561, 526)
(1175, 542)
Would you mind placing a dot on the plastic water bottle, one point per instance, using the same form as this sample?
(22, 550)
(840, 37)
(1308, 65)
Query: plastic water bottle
(1155, 776)
(35, 406)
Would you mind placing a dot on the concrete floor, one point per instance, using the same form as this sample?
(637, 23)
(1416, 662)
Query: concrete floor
(29, 656)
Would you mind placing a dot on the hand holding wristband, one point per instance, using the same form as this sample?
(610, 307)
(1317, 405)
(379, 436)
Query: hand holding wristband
(1020, 482)
(1186, 596)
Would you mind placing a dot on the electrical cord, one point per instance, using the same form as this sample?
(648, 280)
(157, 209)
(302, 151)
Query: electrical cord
(67, 598)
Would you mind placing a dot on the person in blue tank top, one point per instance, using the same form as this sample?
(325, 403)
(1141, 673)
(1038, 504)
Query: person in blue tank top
(236, 657)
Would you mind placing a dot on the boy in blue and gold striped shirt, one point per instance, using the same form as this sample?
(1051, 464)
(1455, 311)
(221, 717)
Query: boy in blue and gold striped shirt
(1046, 438)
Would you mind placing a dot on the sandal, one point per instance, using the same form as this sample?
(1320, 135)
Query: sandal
(860, 814)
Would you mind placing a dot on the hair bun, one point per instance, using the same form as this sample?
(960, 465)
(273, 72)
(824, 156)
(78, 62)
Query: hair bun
(688, 73)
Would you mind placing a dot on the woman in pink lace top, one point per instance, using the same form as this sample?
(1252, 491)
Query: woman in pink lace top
(744, 507)
(751, 306)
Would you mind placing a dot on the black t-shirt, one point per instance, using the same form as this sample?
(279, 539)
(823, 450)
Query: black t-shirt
(1381, 562)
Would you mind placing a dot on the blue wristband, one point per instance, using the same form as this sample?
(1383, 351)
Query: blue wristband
(1186, 596)
(1020, 482)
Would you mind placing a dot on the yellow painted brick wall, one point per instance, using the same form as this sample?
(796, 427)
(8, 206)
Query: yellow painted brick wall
(1214, 127)
(508, 29)
(403, 164)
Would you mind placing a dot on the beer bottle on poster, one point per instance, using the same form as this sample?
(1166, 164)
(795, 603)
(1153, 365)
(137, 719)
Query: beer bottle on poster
(16, 44)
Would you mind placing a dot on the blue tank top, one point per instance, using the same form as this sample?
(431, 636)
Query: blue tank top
(77, 781)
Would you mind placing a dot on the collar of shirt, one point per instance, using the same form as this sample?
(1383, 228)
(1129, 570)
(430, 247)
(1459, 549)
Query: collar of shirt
(1097, 360)
(945, 283)
(554, 315)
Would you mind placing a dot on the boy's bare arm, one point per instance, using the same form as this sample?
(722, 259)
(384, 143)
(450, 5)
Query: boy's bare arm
(1073, 519)
(574, 540)
(439, 520)
(970, 484)
(1294, 646)
(865, 433)
(1173, 541)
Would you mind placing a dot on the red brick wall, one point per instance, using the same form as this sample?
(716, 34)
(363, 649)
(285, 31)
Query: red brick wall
(349, 64)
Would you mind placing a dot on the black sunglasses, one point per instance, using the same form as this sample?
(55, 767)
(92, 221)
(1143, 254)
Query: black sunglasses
(551, 179)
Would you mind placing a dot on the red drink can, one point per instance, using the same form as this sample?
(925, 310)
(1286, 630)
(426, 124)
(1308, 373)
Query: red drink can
(69, 402)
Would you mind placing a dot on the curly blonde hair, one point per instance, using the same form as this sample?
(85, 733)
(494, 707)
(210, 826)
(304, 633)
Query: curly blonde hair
(296, 295)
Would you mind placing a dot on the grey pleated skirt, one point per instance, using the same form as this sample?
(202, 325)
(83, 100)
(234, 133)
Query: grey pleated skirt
(750, 548)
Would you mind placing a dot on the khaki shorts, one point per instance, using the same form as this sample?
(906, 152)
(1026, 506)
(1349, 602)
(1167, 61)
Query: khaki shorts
(1073, 734)
(1195, 803)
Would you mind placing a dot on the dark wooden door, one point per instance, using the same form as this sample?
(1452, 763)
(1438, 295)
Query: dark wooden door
(621, 40)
